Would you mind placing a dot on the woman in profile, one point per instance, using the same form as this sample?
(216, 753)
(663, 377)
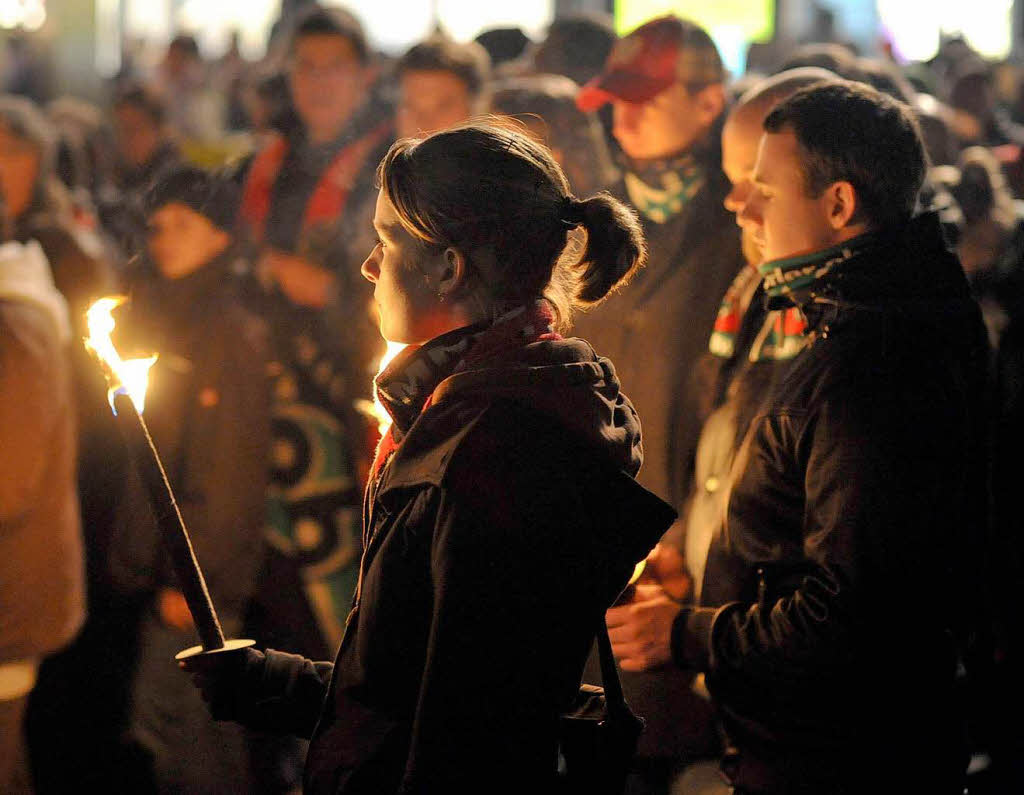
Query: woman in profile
(502, 516)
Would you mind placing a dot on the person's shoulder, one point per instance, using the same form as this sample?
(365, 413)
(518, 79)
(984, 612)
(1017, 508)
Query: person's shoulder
(29, 341)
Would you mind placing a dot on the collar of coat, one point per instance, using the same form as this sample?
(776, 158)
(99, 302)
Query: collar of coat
(906, 269)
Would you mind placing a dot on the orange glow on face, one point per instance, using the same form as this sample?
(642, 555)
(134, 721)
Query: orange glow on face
(129, 375)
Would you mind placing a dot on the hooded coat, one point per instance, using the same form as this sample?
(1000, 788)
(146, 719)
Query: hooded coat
(843, 580)
(504, 524)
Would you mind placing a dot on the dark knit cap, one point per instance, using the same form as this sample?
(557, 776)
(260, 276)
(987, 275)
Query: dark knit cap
(208, 195)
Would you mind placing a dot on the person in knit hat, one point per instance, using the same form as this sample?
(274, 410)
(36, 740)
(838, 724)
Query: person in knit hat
(208, 409)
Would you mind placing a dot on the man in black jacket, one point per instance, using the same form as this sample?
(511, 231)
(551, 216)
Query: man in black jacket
(859, 486)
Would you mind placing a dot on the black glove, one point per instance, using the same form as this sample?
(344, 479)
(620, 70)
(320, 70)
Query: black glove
(227, 681)
(269, 691)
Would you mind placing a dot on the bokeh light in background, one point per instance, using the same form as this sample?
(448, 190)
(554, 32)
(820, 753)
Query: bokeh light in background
(914, 26)
(395, 25)
(733, 24)
(464, 19)
(213, 21)
(25, 14)
(391, 25)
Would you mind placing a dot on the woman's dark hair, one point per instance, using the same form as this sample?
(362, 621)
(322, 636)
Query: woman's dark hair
(489, 185)
(851, 132)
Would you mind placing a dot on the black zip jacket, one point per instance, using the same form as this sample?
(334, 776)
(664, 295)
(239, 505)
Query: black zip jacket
(845, 571)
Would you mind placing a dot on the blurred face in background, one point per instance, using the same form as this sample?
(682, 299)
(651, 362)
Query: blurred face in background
(668, 124)
(431, 100)
(138, 135)
(740, 138)
(327, 81)
(19, 168)
(181, 240)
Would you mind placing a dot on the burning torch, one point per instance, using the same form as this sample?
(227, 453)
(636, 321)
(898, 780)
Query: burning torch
(128, 379)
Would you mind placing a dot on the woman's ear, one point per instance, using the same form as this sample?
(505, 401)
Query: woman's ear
(454, 273)
(841, 198)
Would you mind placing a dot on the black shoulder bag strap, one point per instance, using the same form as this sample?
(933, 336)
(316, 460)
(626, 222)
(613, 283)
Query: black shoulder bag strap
(613, 695)
(619, 712)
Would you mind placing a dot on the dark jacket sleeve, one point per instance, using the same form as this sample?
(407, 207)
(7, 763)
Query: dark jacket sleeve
(506, 619)
(275, 692)
(882, 490)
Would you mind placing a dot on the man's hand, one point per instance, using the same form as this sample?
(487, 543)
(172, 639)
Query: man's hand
(173, 609)
(301, 281)
(666, 566)
(641, 631)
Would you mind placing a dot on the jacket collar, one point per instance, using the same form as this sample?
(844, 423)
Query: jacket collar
(907, 269)
(404, 387)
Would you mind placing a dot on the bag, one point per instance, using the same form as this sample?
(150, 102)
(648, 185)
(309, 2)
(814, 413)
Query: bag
(597, 737)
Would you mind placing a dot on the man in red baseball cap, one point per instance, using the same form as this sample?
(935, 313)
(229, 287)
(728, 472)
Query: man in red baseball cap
(666, 83)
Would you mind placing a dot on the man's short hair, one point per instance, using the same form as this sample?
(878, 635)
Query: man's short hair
(469, 62)
(332, 22)
(851, 132)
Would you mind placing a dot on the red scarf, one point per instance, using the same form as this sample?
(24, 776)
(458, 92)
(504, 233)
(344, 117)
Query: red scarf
(331, 193)
(415, 372)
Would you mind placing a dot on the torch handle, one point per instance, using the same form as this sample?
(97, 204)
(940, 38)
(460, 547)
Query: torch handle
(169, 520)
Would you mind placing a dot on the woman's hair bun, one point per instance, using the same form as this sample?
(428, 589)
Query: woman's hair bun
(615, 245)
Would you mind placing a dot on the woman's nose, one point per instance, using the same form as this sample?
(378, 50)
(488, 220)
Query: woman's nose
(370, 268)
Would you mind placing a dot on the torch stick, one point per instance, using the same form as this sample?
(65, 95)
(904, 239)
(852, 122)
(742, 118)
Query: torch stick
(128, 379)
(173, 531)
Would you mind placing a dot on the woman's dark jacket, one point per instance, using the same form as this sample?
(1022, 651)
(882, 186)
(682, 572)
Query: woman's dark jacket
(845, 571)
(505, 523)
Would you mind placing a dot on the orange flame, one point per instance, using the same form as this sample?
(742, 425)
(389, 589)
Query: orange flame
(129, 375)
(379, 412)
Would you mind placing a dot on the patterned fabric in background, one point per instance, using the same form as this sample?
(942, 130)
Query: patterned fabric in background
(314, 500)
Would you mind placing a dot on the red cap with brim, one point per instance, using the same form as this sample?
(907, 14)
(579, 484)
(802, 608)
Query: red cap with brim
(659, 53)
(624, 86)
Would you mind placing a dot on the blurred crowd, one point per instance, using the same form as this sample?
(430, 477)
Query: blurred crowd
(232, 201)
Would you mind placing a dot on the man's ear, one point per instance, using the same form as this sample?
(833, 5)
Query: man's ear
(710, 102)
(454, 273)
(841, 204)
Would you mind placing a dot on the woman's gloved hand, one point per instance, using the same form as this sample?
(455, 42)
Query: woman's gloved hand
(265, 690)
(231, 683)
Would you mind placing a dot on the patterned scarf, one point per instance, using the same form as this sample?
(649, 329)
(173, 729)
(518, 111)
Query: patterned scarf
(661, 189)
(784, 331)
(781, 336)
(731, 312)
(786, 280)
(405, 388)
